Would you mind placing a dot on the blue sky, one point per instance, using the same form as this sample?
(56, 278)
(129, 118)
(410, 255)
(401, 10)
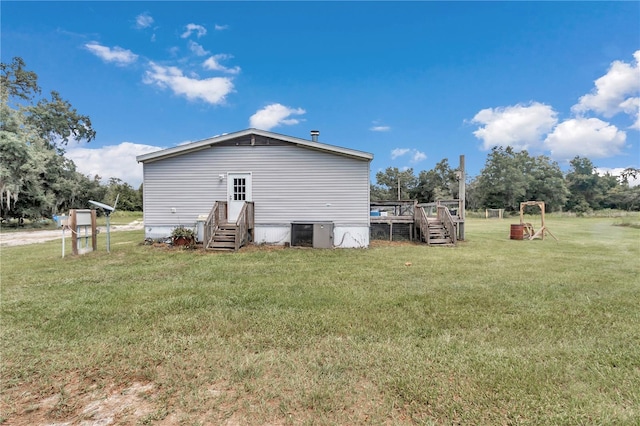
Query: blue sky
(410, 82)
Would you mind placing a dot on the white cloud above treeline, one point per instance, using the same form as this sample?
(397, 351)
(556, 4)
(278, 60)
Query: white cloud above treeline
(519, 126)
(618, 91)
(592, 137)
(415, 155)
(117, 161)
(617, 172)
(116, 54)
(275, 115)
(212, 90)
(535, 126)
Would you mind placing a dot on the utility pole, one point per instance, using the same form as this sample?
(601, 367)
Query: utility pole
(462, 190)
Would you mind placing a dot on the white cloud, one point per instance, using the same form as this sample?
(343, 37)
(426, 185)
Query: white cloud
(191, 28)
(117, 161)
(615, 92)
(213, 64)
(197, 49)
(380, 128)
(211, 90)
(632, 107)
(399, 152)
(220, 27)
(274, 115)
(518, 126)
(116, 54)
(617, 171)
(586, 137)
(144, 20)
(418, 156)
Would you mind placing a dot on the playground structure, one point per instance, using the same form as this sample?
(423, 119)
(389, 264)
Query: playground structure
(528, 230)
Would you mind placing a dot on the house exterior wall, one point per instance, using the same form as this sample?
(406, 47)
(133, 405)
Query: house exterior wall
(290, 183)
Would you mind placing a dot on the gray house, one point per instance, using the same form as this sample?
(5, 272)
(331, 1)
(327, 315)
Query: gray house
(265, 187)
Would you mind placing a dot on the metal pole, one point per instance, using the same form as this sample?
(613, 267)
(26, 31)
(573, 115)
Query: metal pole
(108, 234)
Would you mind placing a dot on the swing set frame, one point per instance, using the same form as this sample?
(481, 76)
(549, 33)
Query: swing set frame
(529, 231)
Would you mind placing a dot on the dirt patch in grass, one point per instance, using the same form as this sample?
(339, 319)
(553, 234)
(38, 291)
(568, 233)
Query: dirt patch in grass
(79, 403)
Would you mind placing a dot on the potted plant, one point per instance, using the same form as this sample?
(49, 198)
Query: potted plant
(182, 236)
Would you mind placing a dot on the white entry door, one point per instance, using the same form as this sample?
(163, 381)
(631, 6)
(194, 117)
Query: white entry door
(238, 191)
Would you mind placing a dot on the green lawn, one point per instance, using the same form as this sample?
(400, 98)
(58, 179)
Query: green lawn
(493, 331)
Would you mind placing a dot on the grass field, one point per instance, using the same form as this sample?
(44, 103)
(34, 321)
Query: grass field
(493, 331)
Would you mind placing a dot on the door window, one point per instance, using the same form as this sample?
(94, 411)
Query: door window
(239, 189)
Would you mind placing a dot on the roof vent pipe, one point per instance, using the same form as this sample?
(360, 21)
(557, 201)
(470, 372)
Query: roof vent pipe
(314, 135)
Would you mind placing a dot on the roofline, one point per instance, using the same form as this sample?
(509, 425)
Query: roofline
(206, 143)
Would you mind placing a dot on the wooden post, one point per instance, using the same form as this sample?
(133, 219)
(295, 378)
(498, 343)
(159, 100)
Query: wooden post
(94, 233)
(73, 226)
(462, 188)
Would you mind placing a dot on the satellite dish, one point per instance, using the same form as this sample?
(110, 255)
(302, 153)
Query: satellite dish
(107, 211)
(102, 206)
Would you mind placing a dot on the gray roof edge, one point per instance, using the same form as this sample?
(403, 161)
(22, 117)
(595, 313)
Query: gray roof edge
(197, 145)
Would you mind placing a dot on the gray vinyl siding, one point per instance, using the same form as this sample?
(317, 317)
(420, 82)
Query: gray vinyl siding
(290, 183)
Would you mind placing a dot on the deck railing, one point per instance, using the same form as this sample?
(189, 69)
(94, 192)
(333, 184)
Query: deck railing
(432, 208)
(395, 208)
(444, 216)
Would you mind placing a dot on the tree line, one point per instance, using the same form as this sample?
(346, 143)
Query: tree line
(36, 179)
(510, 177)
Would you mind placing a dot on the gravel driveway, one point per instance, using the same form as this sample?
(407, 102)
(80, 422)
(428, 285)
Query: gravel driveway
(8, 239)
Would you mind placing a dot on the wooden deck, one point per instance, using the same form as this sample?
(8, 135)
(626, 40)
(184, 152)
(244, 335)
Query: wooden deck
(432, 223)
(397, 221)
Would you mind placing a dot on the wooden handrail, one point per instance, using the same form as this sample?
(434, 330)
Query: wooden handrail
(217, 215)
(420, 216)
(243, 224)
(211, 224)
(444, 216)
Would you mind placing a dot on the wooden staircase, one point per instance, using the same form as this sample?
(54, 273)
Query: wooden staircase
(224, 238)
(437, 233)
(438, 230)
(220, 234)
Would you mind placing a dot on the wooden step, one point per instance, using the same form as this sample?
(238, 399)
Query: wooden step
(225, 232)
(223, 245)
(439, 241)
